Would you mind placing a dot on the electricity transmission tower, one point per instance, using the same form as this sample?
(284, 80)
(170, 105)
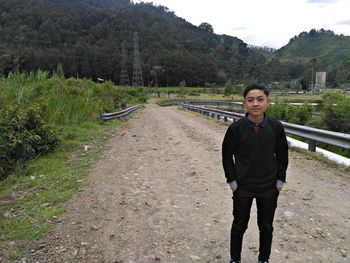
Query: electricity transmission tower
(137, 79)
(124, 76)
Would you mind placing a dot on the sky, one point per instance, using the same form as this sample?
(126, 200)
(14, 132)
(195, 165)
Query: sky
(270, 23)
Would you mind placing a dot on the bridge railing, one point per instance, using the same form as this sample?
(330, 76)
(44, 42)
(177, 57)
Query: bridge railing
(119, 114)
(312, 134)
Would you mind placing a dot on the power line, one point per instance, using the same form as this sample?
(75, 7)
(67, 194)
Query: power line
(124, 76)
(137, 79)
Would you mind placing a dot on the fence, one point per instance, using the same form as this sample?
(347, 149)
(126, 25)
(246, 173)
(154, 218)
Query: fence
(119, 114)
(312, 134)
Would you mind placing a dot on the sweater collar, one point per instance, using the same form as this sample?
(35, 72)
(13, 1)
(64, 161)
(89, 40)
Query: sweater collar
(252, 124)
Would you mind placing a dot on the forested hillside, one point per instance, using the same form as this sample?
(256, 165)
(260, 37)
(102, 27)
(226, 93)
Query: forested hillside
(86, 36)
(317, 50)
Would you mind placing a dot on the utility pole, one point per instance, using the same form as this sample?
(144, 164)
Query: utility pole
(137, 79)
(312, 80)
(124, 76)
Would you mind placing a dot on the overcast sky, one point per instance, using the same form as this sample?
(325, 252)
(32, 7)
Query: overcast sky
(268, 23)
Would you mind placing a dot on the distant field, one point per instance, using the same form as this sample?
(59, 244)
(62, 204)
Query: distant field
(174, 95)
(303, 97)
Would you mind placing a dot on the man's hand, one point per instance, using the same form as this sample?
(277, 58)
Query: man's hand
(279, 185)
(233, 186)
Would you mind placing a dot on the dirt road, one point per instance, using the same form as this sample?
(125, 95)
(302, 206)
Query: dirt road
(159, 194)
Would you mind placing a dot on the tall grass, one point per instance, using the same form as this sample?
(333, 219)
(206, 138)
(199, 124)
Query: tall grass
(34, 106)
(68, 101)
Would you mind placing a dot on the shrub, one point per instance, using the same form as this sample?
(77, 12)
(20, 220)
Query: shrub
(289, 113)
(336, 112)
(23, 136)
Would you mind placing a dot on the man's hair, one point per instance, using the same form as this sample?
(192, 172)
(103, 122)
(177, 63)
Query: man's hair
(255, 86)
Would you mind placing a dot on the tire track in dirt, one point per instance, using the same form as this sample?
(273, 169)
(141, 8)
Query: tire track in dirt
(159, 194)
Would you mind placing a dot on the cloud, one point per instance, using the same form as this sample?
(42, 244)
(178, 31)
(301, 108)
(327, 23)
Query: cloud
(344, 22)
(321, 1)
(238, 28)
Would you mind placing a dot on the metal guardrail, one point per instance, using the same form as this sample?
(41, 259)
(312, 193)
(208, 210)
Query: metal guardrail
(312, 134)
(231, 104)
(171, 103)
(119, 114)
(215, 103)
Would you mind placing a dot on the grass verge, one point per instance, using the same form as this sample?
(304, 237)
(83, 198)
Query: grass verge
(323, 159)
(30, 199)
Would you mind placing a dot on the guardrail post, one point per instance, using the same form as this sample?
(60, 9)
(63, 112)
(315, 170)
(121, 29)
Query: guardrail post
(213, 115)
(218, 116)
(225, 118)
(312, 146)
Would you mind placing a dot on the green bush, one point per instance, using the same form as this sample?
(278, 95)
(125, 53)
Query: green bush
(289, 113)
(23, 136)
(336, 112)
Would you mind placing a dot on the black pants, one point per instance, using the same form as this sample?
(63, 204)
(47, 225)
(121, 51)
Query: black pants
(266, 205)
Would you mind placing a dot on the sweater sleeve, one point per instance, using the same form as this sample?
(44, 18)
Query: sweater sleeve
(228, 150)
(281, 152)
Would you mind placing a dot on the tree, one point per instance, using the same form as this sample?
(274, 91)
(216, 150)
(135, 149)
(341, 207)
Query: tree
(156, 72)
(221, 76)
(336, 112)
(206, 27)
(343, 74)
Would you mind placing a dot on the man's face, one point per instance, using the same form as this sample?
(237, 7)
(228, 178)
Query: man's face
(256, 102)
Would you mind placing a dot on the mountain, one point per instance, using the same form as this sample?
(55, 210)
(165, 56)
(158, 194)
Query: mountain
(317, 50)
(98, 3)
(86, 38)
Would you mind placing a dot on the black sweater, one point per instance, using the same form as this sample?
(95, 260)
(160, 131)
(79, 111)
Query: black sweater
(260, 158)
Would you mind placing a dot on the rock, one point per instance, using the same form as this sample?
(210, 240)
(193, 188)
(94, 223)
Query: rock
(94, 228)
(158, 258)
(288, 214)
(62, 250)
(343, 253)
(7, 214)
(87, 147)
(195, 258)
(82, 252)
(41, 246)
(75, 252)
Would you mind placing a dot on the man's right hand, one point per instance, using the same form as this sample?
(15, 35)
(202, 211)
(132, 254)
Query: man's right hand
(233, 186)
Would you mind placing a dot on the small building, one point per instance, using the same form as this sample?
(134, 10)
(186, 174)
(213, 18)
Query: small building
(320, 80)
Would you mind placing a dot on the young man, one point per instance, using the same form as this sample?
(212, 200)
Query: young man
(255, 160)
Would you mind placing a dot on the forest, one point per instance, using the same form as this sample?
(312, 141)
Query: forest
(86, 38)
